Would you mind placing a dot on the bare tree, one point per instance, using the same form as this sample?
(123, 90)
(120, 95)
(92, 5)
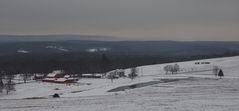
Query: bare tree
(1, 81)
(111, 76)
(9, 86)
(172, 68)
(215, 70)
(133, 73)
(167, 68)
(26, 77)
(176, 68)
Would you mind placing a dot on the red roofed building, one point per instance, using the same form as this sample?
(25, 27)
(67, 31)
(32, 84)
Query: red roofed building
(59, 76)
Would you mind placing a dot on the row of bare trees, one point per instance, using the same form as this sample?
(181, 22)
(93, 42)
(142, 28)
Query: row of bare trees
(6, 82)
(117, 74)
(175, 69)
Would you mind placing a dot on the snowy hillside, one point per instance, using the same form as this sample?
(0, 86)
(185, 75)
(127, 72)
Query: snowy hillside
(194, 88)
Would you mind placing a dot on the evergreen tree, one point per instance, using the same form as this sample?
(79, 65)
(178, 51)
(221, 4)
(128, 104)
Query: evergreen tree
(220, 74)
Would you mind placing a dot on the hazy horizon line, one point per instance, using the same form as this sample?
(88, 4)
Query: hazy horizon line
(53, 37)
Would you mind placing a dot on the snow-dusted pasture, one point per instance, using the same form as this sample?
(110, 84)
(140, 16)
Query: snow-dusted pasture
(193, 91)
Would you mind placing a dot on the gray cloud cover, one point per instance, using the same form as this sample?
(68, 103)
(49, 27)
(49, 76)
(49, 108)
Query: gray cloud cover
(129, 19)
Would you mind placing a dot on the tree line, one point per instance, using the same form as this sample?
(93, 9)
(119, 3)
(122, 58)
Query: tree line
(78, 63)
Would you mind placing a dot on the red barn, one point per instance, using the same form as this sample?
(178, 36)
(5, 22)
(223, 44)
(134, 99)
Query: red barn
(58, 76)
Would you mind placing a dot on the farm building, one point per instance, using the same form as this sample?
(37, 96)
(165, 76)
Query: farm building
(59, 76)
(38, 76)
(91, 76)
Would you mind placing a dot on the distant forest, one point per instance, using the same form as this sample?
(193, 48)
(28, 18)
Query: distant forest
(87, 62)
(77, 59)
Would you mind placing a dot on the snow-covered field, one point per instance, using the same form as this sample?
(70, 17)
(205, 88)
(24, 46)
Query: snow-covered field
(197, 91)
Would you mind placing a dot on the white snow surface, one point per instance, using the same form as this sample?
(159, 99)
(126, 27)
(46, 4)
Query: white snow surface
(192, 91)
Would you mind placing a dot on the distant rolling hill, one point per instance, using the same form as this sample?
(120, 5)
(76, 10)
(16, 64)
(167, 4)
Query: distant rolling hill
(84, 55)
(25, 38)
(163, 48)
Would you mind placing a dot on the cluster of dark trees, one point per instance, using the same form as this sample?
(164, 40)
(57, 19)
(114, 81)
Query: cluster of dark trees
(119, 73)
(172, 68)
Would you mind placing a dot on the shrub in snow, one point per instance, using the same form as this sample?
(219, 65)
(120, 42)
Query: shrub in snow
(56, 89)
(56, 95)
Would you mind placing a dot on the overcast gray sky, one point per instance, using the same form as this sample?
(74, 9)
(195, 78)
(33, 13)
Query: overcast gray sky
(130, 19)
